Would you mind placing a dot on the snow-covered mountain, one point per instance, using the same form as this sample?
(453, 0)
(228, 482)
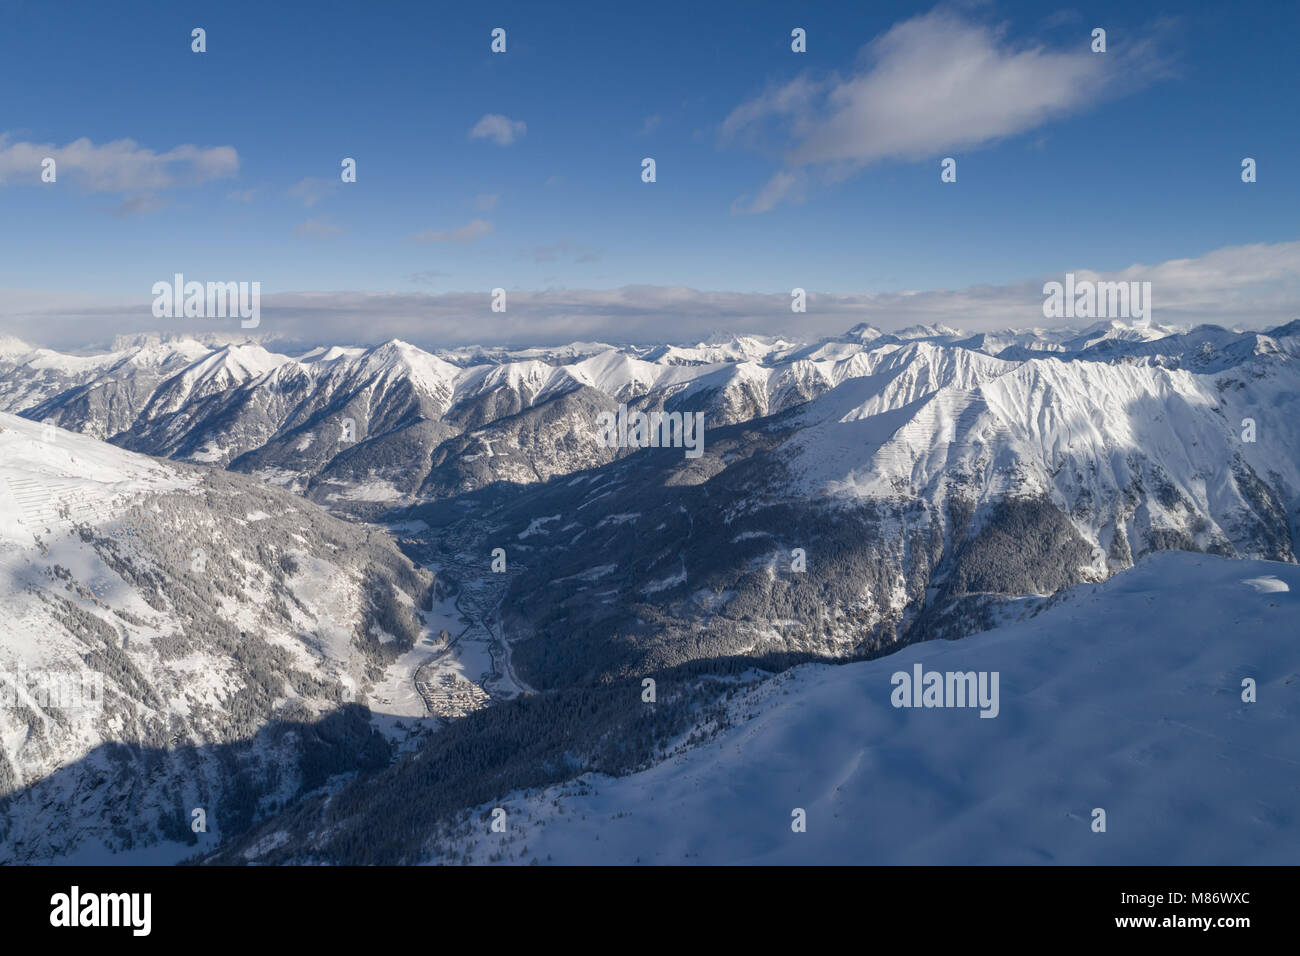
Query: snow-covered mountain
(852, 496)
(916, 457)
(1133, 452)
(397, 424)
(925, 491)
(235, 632)
(98, 394)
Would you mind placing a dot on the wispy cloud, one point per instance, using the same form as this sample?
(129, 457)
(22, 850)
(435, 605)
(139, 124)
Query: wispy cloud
(241, 195)
(785, 184)
(426, 276)
(320, 228)
(140, 205)
(556, 251)
(502, 130)
(929, 85)
(312, 190)
(121, 166)
(650, 124)
(474, 229)
(486, 201)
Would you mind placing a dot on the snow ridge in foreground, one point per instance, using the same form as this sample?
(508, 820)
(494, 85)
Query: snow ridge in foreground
(1125, 696)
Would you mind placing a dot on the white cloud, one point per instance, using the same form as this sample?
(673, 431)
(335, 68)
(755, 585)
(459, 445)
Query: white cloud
(117, 167)
(241, 195)
(930, 85)
(474, 229)
(777, 188)
(486, 201)
(792, 99)
(502, 130)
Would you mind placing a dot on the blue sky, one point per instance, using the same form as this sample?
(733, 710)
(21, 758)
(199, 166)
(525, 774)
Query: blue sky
(1067, 160)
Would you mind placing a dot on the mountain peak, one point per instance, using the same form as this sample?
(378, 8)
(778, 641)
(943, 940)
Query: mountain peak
(864, 332)
(935, 331)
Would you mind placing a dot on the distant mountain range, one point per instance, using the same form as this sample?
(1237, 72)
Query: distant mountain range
(397, 424)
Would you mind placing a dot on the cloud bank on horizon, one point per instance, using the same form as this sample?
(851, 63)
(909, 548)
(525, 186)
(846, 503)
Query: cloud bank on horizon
(1255, 286)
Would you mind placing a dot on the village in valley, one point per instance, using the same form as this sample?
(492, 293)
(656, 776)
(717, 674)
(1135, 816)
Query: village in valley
(451, 695)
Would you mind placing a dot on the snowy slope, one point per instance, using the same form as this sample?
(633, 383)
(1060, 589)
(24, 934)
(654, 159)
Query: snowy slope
(1121, 697)
(214, 609)
(1135, 453)
(99, 394)
(214, 373)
